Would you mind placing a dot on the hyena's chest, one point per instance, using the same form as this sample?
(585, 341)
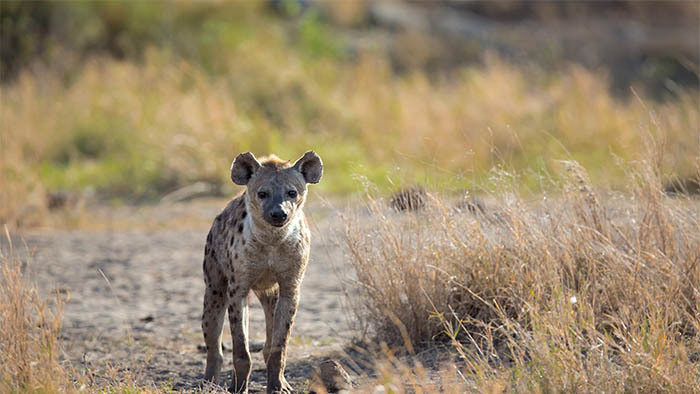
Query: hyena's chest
(260, 265)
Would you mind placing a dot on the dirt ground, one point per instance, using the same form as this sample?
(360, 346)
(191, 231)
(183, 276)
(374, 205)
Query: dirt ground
(133, 277)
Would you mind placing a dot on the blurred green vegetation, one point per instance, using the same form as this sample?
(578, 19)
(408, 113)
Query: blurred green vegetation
(135, 99)
(198, 31)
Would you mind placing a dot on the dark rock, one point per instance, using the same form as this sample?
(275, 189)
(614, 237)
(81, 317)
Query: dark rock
(330, 377)
(409, 199)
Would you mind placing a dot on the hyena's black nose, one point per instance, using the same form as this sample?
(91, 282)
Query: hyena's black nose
(279, 216)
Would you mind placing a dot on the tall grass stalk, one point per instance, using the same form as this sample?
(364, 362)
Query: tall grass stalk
(29, 329)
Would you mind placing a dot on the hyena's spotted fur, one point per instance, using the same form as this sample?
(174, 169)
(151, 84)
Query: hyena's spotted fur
(259, 242)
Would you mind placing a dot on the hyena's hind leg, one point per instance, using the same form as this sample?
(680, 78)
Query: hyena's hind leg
(215, 303)
(238, 320)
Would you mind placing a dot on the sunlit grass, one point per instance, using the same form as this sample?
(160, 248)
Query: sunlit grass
(582, 290)
(29, 328)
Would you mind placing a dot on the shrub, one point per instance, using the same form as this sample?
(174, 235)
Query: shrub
(581, 291)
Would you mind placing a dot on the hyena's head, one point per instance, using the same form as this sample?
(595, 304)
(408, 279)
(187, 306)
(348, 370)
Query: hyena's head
(276, 189)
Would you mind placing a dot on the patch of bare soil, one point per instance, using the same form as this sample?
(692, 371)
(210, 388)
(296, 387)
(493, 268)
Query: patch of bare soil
(135, 295)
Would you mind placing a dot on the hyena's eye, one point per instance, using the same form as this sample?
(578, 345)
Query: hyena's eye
(262, 195)
(292, 194)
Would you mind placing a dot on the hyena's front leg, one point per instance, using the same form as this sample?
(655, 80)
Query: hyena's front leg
(268, 298)
(238, 320)
(284, 318)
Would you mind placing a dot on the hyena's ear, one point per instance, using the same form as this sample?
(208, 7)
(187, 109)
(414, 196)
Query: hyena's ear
(243, 168)
(310, 166)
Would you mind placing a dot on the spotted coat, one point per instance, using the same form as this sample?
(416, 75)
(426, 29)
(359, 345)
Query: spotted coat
(260, 242)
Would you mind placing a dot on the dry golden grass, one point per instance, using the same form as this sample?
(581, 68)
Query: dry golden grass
(29, 328)
(580, 291)
(138, 130)
(583, 291)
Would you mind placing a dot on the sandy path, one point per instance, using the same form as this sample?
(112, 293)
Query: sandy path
(136, 294)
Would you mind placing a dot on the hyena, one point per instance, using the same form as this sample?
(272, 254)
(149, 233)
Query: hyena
(259, 242)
